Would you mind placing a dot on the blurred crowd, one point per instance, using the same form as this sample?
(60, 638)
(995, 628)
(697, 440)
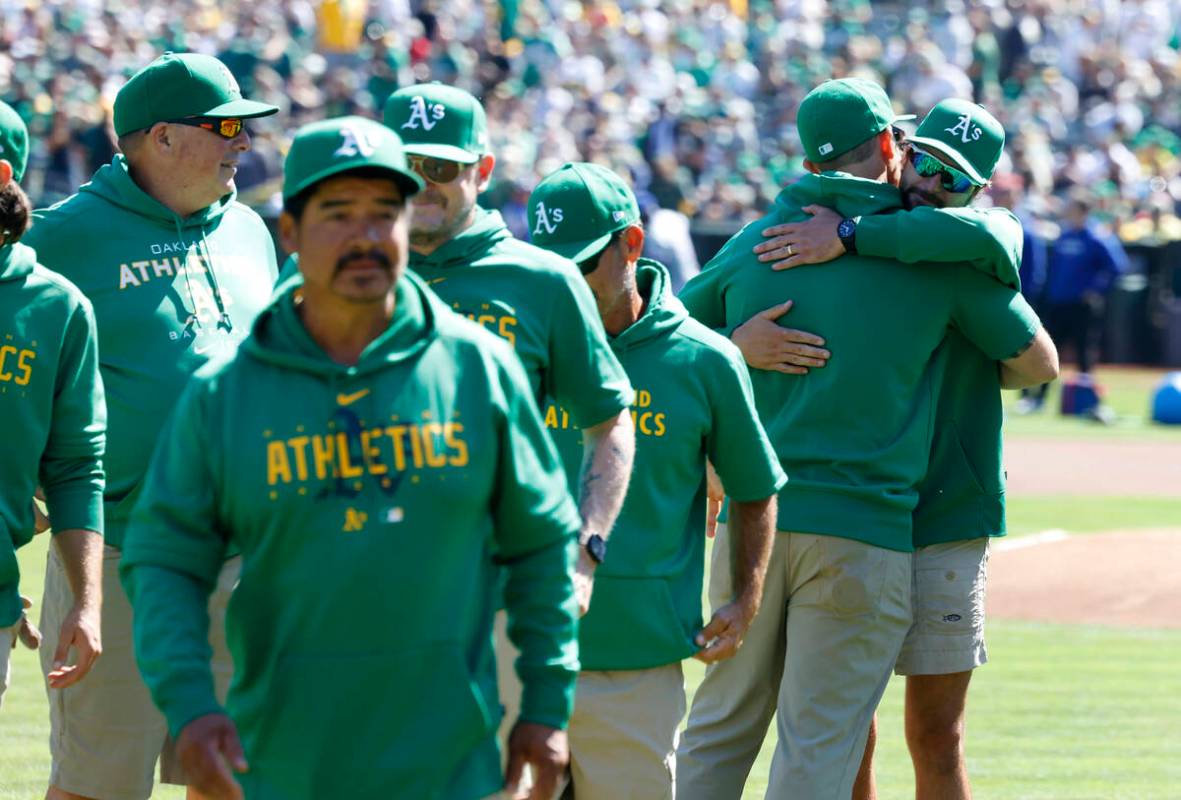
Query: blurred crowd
(695, 99)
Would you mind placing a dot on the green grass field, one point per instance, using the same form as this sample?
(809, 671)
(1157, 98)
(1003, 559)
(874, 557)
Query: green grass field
(1128, 390)
(1062, 712)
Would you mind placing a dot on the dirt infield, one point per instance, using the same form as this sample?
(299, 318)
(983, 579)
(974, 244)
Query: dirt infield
(1037, 465)
(1124, 578)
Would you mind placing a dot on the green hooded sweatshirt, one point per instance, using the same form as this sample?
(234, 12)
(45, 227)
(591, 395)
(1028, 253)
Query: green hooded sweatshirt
(693, 401)
(168, 294)
(367, 503)
(537, 302)
(855, 437)
(963, 493)
(51, 401)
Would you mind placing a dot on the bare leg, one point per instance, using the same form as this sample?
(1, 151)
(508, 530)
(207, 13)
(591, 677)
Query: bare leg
(935, 709)
(865, 788)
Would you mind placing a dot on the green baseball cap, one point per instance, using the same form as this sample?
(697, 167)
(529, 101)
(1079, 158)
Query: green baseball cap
(14, 141)
(840, 114)
(331, 146)
(574, 210)
(963, 131)
(439, 121)
(179, 85)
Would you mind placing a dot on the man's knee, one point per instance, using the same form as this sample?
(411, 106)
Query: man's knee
(935, 711)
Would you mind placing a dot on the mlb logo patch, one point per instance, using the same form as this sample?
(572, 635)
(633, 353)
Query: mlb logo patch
(825, 148)
(616, 216)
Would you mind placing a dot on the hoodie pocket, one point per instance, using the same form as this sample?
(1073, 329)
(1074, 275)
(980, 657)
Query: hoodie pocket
(371, 726)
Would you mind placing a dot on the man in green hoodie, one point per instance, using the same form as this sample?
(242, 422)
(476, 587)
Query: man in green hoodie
(950, 160)
(855, 438)
(51, 399)
(176, 270)
(533, 299)
(380, 463)
(693, 402)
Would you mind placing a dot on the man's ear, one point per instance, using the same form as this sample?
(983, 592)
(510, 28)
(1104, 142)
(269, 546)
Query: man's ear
(5, 172)
(484, 169)
(288, 232)
(633, 242)
(888, 147)
(813, 168)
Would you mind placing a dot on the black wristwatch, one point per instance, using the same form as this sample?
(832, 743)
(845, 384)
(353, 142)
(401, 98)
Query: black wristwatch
(847, 233)
(596, 548)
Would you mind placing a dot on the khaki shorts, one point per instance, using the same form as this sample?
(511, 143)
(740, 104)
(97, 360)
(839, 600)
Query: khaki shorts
(7, 639)
(947, 635)
(623, 733)
(105, 732)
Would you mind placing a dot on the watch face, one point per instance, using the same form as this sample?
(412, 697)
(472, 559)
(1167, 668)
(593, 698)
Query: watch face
(846, 228)
(596, 547)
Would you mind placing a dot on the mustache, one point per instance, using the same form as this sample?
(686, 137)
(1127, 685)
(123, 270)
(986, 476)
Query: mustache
(363, 255)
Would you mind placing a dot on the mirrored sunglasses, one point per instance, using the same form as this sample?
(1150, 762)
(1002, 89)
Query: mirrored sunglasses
(436, 170)
(226, 128)
(952, 179)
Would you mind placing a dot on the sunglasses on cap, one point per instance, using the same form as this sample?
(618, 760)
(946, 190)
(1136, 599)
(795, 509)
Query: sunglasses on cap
(952, 179)
(436, 170)
(225, 127)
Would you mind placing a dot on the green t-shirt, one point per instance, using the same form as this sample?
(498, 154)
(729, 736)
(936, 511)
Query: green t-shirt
(962, 495)
(168, 293)
(693, 401)
(367, 503)
(855, 436)
(51, 401)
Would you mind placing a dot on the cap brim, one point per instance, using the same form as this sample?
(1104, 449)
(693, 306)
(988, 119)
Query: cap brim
(952, 155)
(445, 151)
(578, 251)
(409, 183)
(904, 118)
(242, 109)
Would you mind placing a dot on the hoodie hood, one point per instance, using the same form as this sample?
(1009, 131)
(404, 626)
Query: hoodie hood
(847, 195)
(664, 312)
(113, 183)
(280, 338)
(468, 244)
(16, 261)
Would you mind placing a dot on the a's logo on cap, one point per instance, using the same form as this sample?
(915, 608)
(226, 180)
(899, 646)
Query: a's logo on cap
(547, 218)
(420, 112)
(825, 148)
(965, 129)
(354, 142)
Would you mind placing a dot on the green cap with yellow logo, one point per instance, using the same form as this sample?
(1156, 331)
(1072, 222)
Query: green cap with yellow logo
(574, 211)
(332, 146)
(970, 137)
(14, 141)
(840, 114)
(179, 85)
(439, 121)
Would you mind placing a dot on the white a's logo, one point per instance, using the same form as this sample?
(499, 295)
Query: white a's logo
(547, 219)
(229, 78)
(354, 142)
(420, 112)
(965, 128)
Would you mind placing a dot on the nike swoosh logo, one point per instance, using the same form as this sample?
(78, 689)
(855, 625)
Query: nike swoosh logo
(349, 399)
(433, 281)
